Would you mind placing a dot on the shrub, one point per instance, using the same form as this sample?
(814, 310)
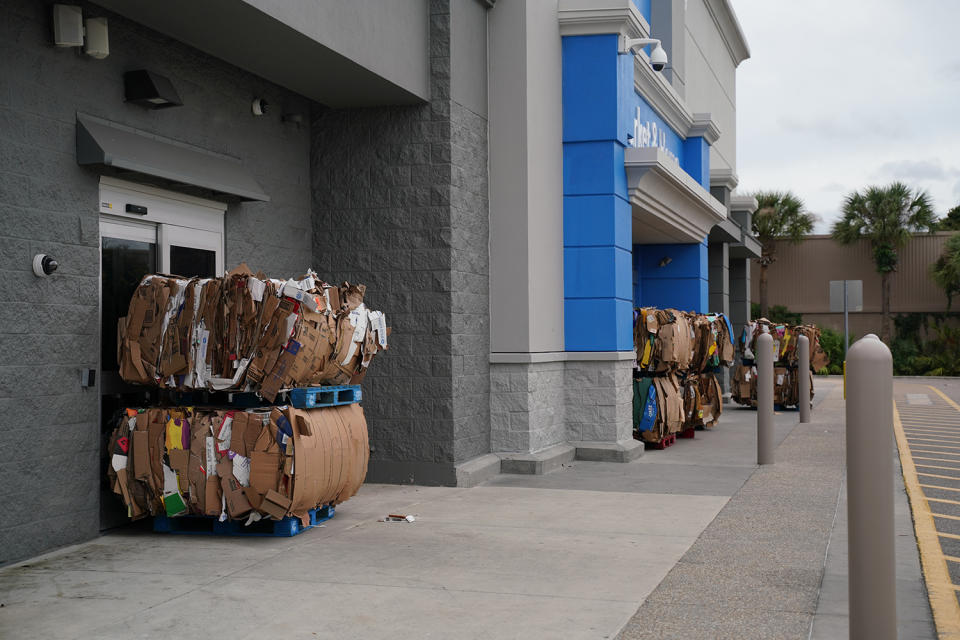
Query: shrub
(779, 314)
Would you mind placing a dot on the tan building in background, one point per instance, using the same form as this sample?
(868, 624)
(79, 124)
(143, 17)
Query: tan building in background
(800, 280)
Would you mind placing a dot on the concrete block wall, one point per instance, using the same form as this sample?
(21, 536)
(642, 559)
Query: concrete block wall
(399, 200)
(528, 411)
(50, 468)
(599, 400)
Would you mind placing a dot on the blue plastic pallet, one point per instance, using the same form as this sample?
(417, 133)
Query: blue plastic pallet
(210, 526)
(313, 397)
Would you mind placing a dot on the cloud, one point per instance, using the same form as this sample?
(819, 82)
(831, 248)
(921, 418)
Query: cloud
(931, 169)
(833, 186)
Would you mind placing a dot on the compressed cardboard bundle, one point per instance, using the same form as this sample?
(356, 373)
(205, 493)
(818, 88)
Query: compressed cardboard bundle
(236, 464)
(676, 341)
(676, 351)
(247, 332)
(663, 407)
(785, 340)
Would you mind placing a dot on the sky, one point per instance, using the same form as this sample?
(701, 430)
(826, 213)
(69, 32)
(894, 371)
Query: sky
(839, 95)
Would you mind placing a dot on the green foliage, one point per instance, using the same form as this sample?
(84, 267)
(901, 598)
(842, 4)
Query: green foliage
(780, 215)
(832, 343)
(946, 270)
(778, 314)
(950, 222)
(886, 216)
(914, 356)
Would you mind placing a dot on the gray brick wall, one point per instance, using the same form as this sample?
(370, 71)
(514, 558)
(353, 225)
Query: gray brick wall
(527, 410)
(399, 198)
(599, 400)
(49, 328)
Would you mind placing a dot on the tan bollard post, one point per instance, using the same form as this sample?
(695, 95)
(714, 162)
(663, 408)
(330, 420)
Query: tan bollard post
(765, 399)
(873, 598)
(803, 370)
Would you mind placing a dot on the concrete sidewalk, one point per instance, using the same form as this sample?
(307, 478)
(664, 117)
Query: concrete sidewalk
(570, 554)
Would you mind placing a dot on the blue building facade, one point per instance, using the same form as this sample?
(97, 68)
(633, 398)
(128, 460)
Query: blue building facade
(611, 262)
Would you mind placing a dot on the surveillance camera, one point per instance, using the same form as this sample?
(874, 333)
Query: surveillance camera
(44, 265)
(259, 106)
(658, 58)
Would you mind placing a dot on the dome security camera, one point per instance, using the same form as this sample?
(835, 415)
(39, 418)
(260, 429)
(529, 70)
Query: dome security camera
(658, 58)
(259, 107)
(44, 265)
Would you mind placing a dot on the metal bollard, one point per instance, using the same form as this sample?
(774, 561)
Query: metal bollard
(873, 600)
(803, 370)
(765, 399)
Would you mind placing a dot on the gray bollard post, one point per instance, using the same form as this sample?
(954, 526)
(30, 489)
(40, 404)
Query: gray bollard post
(803, 371)
(873, 597)
(765, 399)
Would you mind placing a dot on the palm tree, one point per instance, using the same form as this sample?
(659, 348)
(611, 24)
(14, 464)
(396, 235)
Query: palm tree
(780, 215)
(946, 270)
(886, 216)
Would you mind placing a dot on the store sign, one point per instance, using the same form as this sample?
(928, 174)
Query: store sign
(650, 134)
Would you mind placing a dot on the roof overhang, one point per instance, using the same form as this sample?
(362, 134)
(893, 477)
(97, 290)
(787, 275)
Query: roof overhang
(109, 144)
(726, 231)
(668, 205)
(748, 247)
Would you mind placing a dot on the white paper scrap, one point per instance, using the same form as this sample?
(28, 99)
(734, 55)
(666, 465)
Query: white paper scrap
(241, 470)
(118, 462)
(211, 457)
(257, 287)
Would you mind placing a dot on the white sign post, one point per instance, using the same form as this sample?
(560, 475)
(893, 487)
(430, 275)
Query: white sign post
(846, 295)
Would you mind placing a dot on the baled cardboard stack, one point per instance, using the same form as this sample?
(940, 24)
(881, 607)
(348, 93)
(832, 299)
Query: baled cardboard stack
(674, 387)
(786, 389)
(235, 464)
(247, 332)
(243, 332)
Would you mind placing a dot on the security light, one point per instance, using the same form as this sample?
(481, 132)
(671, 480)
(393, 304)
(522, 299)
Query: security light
(658, 57)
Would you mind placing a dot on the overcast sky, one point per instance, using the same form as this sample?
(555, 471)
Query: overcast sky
(838, 95)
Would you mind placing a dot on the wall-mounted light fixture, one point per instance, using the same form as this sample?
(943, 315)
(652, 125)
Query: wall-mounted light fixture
(150, 90)
(664, 261)
(71, 30)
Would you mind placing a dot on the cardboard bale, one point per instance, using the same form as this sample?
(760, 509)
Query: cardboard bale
(243, 332)
(309, 458)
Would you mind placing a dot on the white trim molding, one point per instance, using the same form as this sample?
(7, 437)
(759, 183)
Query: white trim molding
(666, 199)
(729, 27)
(705, 126)
(743, 203)
(585, 17)
(724, 177)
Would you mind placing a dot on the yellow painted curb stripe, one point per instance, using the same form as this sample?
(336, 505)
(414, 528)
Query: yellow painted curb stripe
(943, 600)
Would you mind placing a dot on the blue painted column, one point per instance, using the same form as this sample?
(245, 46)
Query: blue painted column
(597, 270)
(682, 283)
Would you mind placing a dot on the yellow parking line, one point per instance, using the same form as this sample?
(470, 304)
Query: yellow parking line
(939, 446)
(940, 588)
(933, 466)
(933, 486)
(942, 453)
(943, 500)
(943, 515)
(934, 475)
(937, 459)
(932, 442)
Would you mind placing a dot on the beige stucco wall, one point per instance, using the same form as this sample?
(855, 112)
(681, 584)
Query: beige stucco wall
(800, 279)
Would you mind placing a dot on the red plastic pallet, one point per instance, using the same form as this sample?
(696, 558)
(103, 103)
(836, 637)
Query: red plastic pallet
(690, 433)
(667, 441)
